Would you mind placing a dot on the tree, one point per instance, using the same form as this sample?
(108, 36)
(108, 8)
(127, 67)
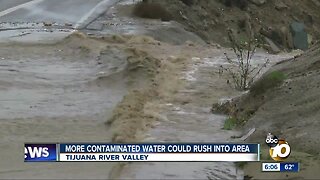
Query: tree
(243, 73)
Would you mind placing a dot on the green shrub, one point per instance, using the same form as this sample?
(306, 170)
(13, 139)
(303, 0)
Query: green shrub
(230, 123)
(151, 11)
(268, 81)
(244, 73)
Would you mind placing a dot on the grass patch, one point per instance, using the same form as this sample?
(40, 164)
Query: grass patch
(269, 81)
(151, 10)
(230, 123)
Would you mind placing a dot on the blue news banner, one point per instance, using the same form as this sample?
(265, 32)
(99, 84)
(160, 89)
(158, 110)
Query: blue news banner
(152, 152)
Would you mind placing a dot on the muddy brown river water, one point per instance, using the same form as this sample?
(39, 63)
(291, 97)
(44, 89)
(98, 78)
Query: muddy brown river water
(55, 94)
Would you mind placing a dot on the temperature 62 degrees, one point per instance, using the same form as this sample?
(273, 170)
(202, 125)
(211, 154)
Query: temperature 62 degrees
(289, 167)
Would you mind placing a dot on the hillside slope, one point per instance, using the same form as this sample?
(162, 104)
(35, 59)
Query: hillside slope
(284, 101)
(210, 18)
(292, 110)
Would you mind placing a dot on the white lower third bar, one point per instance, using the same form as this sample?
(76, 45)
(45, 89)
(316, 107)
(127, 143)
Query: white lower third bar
(157, 157)
(269, 167)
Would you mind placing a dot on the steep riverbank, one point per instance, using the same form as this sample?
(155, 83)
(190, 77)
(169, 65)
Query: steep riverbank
(285, 101)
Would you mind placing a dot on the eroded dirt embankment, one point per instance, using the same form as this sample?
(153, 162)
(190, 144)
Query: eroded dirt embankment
(270, 18)
(292, 108)
(285, 102)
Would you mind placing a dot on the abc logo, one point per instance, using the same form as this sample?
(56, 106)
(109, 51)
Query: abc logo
(279, 148)
(272, 140)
